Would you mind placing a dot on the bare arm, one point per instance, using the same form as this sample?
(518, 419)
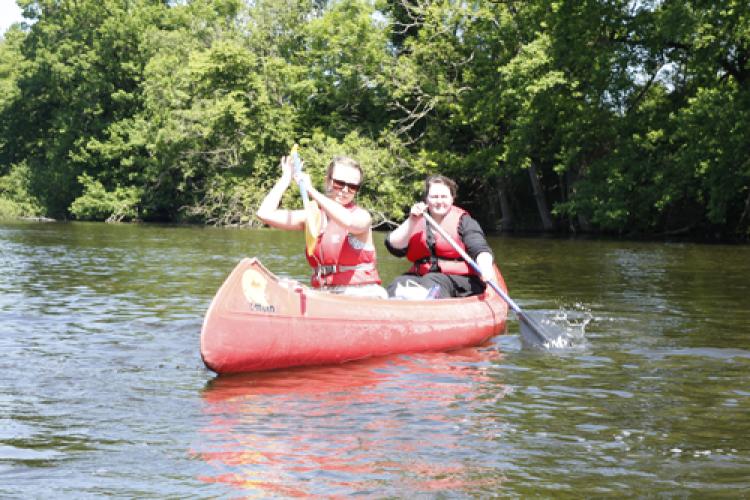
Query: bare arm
(357, 223)
(269, 211)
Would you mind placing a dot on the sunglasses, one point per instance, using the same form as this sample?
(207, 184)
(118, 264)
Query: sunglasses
(340, 185)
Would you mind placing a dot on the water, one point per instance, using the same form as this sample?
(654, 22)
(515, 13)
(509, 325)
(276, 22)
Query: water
(103, 392)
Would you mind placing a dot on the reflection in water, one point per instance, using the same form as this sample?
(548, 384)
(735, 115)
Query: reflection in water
(398, 424)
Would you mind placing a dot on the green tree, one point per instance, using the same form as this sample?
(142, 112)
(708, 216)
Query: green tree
(344, 53)
(617, 116)
(83, 70)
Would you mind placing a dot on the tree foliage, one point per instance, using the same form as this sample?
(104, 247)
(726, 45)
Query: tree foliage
(613, 116)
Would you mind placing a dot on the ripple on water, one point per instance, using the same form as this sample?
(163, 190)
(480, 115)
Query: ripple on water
(104, 392)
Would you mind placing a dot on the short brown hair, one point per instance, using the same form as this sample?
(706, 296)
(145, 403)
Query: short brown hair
(345, 161)
(439, 179)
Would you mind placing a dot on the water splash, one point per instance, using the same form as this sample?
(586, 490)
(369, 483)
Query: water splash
(569, 323)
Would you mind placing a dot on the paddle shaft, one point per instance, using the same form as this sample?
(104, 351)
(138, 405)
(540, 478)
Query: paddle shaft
(470, 261)
(300, 183)
(534, 328)
(312, 212)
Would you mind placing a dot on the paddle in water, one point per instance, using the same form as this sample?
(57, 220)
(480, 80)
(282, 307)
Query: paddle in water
(312, 220)
(533, 332)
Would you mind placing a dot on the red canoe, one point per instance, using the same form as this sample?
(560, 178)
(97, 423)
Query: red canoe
(257, 322)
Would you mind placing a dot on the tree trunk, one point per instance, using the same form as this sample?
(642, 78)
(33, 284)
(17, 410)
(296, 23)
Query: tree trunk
(506, 215)
(541, 203)
(745, 212)
(581, 219)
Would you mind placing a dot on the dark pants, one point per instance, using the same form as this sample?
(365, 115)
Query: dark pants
(451, 285)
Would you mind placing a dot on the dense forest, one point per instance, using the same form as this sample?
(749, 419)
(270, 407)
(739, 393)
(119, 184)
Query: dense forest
(600, 116)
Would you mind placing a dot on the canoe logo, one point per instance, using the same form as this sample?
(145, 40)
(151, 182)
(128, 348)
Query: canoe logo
(254, 287)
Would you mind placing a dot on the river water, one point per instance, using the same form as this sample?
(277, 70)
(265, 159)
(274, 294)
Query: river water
(103, 392)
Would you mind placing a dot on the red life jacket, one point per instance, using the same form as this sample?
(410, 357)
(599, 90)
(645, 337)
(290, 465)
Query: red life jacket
(340, 258)
(448, 260)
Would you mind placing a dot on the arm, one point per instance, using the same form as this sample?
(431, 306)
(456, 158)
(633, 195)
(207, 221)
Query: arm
(399, 237)
(396, 252)
(485, 263)
(476, 246)
(269, 211)
(357, 223)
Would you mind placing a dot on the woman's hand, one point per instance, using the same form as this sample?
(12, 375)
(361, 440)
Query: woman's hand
(418, 209)
(269, 211)
(486, 266)
(399, 237)
(303, 177)
(287, 168)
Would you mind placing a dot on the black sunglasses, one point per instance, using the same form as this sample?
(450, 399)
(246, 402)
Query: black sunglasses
(341, 184)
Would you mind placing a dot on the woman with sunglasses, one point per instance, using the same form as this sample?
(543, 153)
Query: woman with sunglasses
(436, 264)
(344, 259)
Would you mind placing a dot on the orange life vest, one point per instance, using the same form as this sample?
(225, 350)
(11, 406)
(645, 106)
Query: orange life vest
(449, 260)
(340, 258)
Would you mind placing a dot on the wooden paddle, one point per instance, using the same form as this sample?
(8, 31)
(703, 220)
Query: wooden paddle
(531, 330)
(312, 221)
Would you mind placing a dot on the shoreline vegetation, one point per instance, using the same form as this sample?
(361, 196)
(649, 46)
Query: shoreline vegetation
(607, 119)
(680, 236)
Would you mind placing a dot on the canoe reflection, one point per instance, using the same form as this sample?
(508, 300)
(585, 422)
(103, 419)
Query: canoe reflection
(380, 426)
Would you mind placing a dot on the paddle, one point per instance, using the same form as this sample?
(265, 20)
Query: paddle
(312, 221)
(531, 330)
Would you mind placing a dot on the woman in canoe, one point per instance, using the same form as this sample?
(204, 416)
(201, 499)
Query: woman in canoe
(435, 263)
(344, 259)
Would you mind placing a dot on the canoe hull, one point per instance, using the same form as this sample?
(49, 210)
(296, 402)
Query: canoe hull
(258, 322)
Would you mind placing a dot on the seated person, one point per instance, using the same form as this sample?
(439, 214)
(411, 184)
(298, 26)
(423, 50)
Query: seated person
(344, 259)
(435, 261)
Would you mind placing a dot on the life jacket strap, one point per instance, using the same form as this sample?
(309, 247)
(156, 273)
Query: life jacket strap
(328, 270)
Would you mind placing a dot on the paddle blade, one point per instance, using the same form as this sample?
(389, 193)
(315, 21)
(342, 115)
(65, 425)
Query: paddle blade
(312, 226)
(539, 332)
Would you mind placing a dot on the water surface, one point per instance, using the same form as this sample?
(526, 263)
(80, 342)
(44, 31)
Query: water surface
(103, 392)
